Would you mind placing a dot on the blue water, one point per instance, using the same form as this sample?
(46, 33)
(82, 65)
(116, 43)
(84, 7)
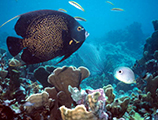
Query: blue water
(101, 22)
(100, 19)
(116, 38)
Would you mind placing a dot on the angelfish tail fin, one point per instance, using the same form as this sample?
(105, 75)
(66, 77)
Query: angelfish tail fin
(14, 45)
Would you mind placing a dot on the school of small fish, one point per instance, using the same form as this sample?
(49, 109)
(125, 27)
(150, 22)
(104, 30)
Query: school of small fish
(114, 9)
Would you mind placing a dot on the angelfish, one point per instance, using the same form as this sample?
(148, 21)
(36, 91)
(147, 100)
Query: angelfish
(125, 74)
(46, 34)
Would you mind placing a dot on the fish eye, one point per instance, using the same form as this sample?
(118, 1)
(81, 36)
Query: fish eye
(120, 71)
(79, 28)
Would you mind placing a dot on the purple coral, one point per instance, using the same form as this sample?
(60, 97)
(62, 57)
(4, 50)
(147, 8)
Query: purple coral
(83, 98)
(101, 90)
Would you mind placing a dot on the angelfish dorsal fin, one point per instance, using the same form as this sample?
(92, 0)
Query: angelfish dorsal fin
(9, 20)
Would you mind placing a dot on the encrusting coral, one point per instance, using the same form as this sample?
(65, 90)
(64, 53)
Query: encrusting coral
(116, 106)
(61, 78)
(78, 113)
(93, 109)
(58, 95)
(109, 93)
(41, 104)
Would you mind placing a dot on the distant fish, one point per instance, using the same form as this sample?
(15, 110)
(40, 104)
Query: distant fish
(110, 2)
(125, 75)
(80, 18)
(75, 4)
(62, 10)
(117, 9)
(46, 34)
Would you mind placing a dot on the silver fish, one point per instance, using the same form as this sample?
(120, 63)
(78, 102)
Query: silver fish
(125, 75)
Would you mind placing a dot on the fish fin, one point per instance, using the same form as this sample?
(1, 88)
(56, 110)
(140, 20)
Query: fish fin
(14, 45)
(65, 57)
(9, 20)
(29, 58)
(27, 19)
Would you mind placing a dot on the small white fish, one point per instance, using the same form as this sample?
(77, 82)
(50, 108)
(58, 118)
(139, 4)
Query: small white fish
(75, 4)
(125, 75)
(117, 9)
(62, 10)
(110, 2)
(80, 18)
(28, 104)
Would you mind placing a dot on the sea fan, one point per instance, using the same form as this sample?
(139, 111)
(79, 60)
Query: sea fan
(93, 58)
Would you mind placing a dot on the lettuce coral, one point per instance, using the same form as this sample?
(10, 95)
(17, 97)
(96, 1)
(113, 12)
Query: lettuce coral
(41, 102)
(94, 102)
(78, 113)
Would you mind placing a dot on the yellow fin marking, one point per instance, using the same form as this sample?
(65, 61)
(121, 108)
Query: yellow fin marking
(70, 42)
(76, 41)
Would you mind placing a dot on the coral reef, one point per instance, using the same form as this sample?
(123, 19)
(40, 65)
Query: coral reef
(109, 94)
(41, 74)
(155, 24)
(54, 93)
(78, 113)
(47, 103)
(41, 105)
(118, 107)
(94, 105)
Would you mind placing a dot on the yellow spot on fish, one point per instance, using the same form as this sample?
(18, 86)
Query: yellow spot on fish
(70, 42)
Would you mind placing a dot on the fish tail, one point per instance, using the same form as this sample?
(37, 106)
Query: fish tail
(14, 45)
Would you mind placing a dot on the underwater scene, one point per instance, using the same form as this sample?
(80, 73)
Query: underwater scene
(79, 60)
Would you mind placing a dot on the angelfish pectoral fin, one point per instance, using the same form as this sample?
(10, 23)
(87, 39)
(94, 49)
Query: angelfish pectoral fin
(65, 57)
(76, 41)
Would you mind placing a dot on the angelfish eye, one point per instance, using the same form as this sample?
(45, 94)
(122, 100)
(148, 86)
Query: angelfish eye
(79, 28)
